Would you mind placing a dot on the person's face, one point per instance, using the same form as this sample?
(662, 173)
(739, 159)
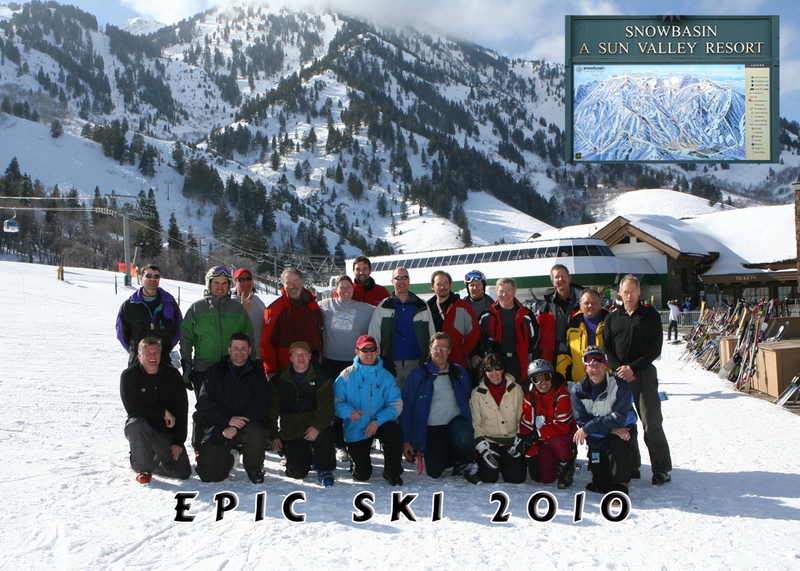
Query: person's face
(293, 286)
(543, 382)
(150, 358)
(344, 290)
(630, 293)
(475, 288)
(220, 286)
(560, 279)
(441, 286)
(239, 351)
(362, 272)
(150, 280)
(440, 351)
(400, 281)
(596, 371)
(494, 375)
(244, 283)
(590, 305)
(368, 355)
(505, 295)
(300, 359)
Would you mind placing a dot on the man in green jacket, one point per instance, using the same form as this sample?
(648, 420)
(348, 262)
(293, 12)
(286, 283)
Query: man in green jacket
(207, 328)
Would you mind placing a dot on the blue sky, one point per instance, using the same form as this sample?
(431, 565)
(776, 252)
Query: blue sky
(530, 29)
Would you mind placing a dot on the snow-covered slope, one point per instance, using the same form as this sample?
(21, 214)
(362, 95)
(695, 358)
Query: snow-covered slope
(70, 500)
(661, 201)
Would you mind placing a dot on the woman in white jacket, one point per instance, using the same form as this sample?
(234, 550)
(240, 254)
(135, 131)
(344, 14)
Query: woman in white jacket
(496, 405)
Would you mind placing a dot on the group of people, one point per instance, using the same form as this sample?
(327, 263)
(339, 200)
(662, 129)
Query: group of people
(487, 388)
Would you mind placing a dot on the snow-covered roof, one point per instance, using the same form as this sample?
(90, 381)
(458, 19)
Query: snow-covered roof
(661, 200)
(759, 235)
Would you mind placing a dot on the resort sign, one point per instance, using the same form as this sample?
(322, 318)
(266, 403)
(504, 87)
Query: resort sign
(694, 89)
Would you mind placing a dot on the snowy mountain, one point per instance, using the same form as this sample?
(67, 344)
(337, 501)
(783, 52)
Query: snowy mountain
(268, 133)
(71, 501)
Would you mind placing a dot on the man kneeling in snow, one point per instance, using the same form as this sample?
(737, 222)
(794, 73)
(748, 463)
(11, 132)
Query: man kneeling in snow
(603, 408)
(157, 407)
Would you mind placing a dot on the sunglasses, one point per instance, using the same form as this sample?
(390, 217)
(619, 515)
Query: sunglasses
(244, 279)
(368, 349)
(152, 276)
(400, 278)
(220, 271)
(540, 381)
(594, 360)
(493, 368)
(474, 276)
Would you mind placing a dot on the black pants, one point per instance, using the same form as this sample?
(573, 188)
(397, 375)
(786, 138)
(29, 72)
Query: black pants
(512, 469)
(151, 451)
(451, 444)
(301, 453)
(673, 326)
(214, 463)
(613, 464)
(391, 437)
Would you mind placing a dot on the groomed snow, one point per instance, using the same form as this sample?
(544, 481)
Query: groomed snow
(70, 500)
(661, 201)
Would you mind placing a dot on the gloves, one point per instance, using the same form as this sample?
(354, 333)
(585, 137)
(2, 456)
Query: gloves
(489, 456)
(521, 445)
(539, 421)
(187, 374)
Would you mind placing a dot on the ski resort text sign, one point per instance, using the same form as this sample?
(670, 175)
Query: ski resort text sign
(694, 89)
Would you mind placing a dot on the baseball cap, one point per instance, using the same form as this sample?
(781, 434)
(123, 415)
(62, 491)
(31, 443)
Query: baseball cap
(366, 341)
(299, 345)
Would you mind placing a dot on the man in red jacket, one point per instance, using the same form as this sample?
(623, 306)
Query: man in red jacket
(364, 287)
(559, 307)
(295, 316)
(454, 316)
(509, 329)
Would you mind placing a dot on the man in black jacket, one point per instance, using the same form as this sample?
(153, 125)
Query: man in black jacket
(633, 340)
(302, 398)
(155, 401)
(233, 403)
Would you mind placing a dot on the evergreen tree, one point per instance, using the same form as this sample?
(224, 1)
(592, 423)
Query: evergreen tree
(175, 238)
(56, 129)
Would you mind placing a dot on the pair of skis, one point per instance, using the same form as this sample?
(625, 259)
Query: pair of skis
(792, 390)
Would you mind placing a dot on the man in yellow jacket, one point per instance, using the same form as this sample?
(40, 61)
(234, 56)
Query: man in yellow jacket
(583, 330)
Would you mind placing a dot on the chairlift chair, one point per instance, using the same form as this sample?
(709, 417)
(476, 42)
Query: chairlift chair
(11, 225)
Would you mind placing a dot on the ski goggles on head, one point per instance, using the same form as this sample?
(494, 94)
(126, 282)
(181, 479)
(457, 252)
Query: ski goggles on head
(219, 271)
(594, 359)
(474, 275)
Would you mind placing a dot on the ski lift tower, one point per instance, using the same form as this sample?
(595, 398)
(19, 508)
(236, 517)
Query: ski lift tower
(132, 208)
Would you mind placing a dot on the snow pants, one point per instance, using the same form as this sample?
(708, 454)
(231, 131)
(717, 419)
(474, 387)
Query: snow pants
(648, 407)
(214, 463)
(151, 451)
(391, 437)
(301, 454)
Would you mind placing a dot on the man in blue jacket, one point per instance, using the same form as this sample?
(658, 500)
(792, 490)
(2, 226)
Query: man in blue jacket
(436, 419)
(367, 399)
(603, 409)
(149, 312)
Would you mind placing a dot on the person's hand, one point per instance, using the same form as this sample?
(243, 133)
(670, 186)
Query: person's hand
(176, 451)
(580, 436)
(372, 428)
(624, 432)
(276, 445)
(355, 414)
(625, 373)
(312, 433)
(230, 432)
(408, 452)
(238, 421)
(489, 456)
(169, 419)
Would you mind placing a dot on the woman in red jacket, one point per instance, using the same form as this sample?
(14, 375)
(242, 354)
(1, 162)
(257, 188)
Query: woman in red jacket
(548, 426)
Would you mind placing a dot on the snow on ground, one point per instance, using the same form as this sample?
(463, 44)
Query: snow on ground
(660, 201)
(70, 500)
